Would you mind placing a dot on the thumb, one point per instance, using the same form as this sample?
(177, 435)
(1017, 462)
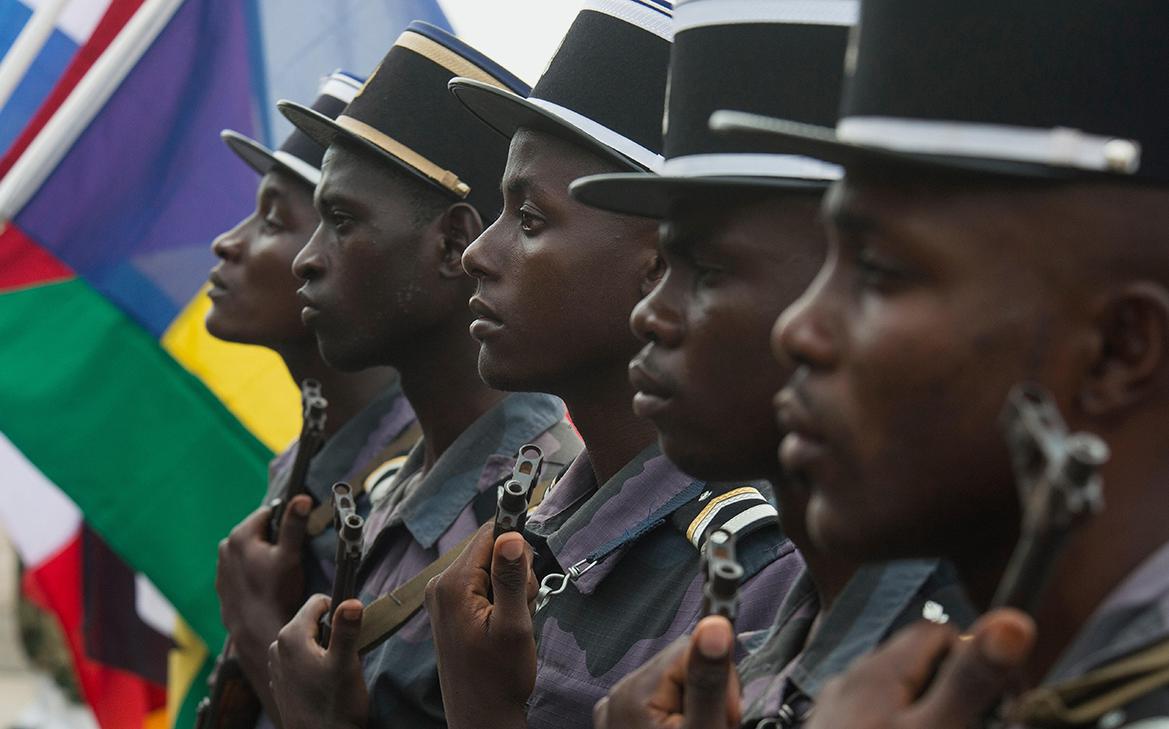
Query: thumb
(346, 626)
(980, 669)
(509, 581)
(708, 674)
(294, 523)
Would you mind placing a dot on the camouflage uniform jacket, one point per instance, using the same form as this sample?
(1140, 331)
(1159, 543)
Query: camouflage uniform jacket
(620, 609)
(786, 671)
(1133, 617)
(441, 509)
(384, 428)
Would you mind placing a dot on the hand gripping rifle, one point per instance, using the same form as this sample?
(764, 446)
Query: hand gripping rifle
(231, 702)
(722, 573)
(312, 435)
(1059, 486)
(511, 510)
(350, 526)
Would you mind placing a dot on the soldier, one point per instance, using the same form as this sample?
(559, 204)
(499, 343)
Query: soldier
(742, 239)
(618, 540)
(368, 420)
(1003, 219)
(408, 180)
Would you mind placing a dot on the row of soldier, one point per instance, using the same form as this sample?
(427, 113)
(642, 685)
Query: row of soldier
(775, 271)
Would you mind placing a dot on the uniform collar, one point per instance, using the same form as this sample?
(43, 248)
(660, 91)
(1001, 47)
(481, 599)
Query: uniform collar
(1135, 615)
(862, 615)
(479, 457)
(387, 414)
(577, 517)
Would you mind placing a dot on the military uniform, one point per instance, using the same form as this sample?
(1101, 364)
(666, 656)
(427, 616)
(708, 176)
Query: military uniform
(423, 517)
(786, 671)
(1133, 618)
(385, 429)
(631, 550)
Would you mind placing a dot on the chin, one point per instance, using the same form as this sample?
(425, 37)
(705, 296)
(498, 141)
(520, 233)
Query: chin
(344, 358)
(502, 375)
(223, 331)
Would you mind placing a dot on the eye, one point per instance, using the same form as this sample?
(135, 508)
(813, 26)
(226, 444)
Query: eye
(530, 220)
(878, 271)
(342, 221)
(271, 225)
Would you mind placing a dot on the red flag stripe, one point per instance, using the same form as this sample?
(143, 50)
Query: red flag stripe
(116, 16)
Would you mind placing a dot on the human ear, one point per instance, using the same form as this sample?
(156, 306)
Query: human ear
(1133, 330)
(461, 224)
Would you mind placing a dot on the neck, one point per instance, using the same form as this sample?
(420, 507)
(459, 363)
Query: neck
(602, 411)
(829, 573)
(440, 378)
(1101, 553)
(1095, 559)
(348, 393)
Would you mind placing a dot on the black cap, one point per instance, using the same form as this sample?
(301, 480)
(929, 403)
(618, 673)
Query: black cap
(776, 58)
(404, 114)
(299, 154)
(604, 88)
(1026, 88)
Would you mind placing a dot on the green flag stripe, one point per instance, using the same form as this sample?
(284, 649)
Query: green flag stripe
(155, 462)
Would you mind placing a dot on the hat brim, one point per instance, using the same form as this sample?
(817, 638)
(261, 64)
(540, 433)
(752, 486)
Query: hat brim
(324, 131)
(255, 155)
(651, 196)
(768, 134)
(507, 113)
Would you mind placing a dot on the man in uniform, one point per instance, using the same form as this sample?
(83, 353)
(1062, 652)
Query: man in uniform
(368, 420)
(1003, 219)
(618, 538)
(407, 182)
(742, 239)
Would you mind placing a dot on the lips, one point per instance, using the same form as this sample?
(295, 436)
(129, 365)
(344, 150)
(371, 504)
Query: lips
(218, 286)
(653, 392)
(310, 311)
(487, 322)
(803, 444)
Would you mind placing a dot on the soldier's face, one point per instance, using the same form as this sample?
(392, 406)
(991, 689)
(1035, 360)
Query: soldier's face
(705, 376)
(364, 294)
(253, 291)
(556, 278)
(930, 306)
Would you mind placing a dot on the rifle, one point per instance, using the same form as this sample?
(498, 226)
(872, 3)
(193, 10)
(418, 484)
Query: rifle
(231, 702)
(511, 510)
(722, 573)
(1059, 487)
(312, 435)
(350, 526)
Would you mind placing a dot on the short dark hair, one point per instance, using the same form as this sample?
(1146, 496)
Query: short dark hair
(426, 201)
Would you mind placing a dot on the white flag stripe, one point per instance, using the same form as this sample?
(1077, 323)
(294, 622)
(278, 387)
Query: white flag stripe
(38, 518)
(79, 17)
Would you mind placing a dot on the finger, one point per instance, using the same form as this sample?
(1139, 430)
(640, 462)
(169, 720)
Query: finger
(971, 681)
(708, 673)
(255, 526)
(309, 615)
(346, 626)
(601, 714)
(294, 523)
(510, 573)
(903, 668)
(473, 567)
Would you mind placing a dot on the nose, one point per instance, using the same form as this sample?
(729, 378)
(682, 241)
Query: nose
(477, 257)
(229, 245)
(658, 318)
(310, 262)
(807, 332)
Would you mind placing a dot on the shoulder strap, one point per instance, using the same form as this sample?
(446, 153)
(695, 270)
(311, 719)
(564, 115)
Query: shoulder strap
(386, 462)
(1085, 699)
(385, 615)
(737, 508)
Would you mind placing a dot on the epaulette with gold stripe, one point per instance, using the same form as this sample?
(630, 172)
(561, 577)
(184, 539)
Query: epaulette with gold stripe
(741, 509)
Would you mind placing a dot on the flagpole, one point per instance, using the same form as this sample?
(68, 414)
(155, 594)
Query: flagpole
(27, 46)
(86, 100)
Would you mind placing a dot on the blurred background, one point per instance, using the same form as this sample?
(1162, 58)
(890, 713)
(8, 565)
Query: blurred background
(130, 441)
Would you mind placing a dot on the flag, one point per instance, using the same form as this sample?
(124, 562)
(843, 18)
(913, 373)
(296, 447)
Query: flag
(72, 29)
(108, 380)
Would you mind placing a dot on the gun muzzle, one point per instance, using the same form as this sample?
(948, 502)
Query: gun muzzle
(720, 594)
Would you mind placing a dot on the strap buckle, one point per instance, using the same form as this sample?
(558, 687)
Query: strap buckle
(556, 583)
